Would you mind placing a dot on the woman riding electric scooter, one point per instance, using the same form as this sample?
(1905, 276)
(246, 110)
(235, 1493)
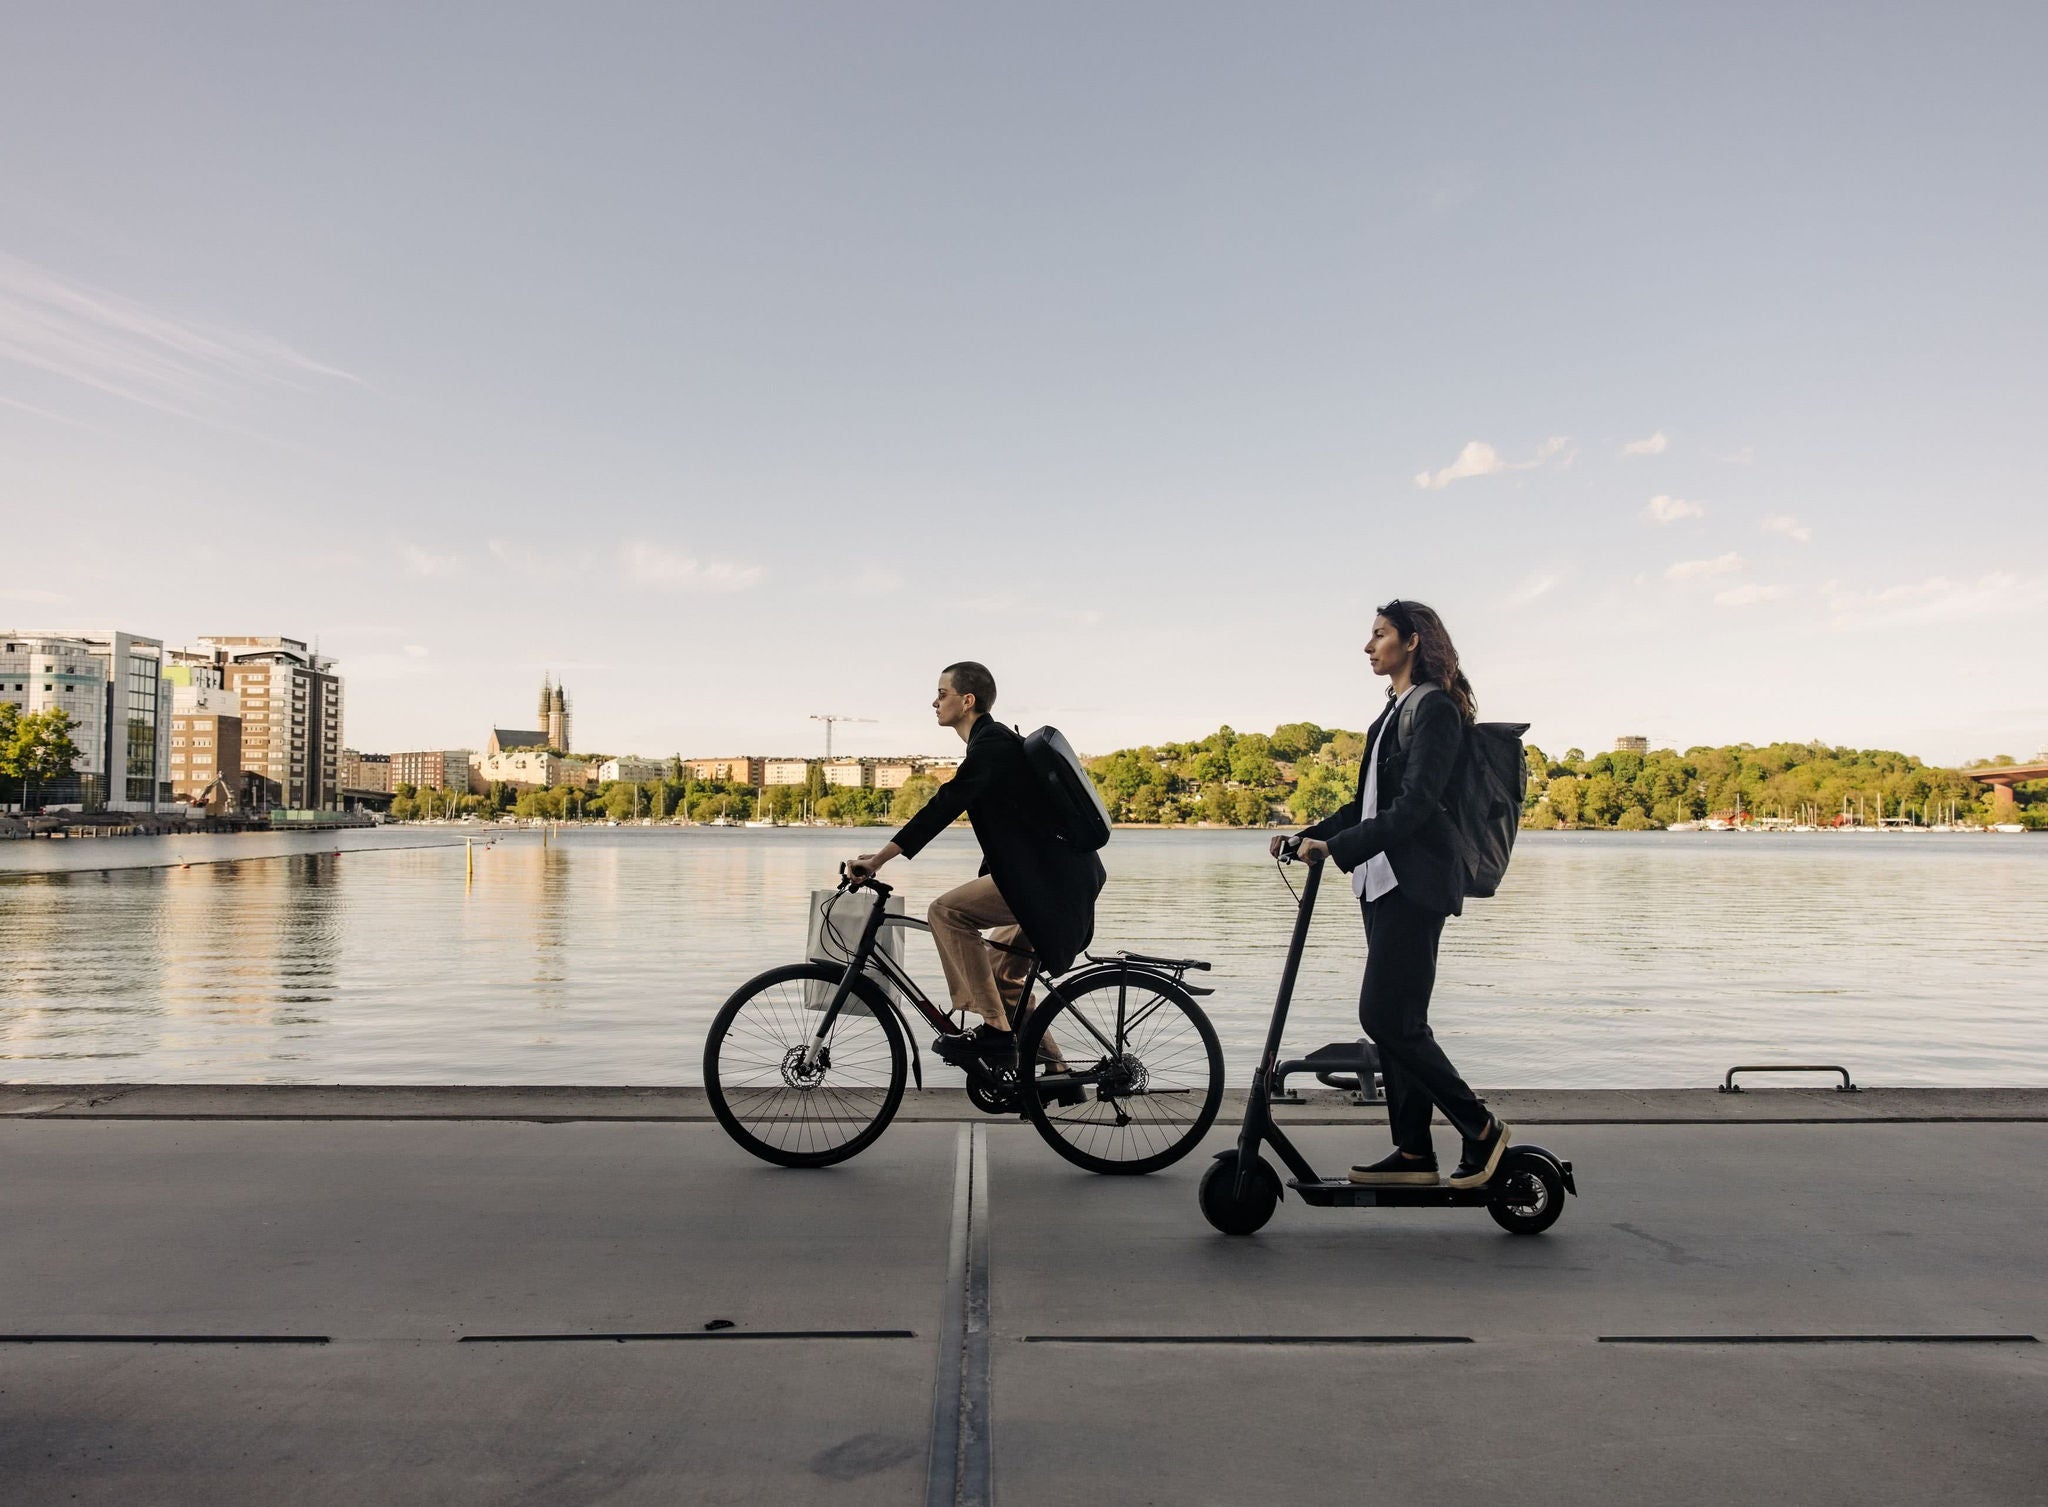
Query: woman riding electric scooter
(1398, 846)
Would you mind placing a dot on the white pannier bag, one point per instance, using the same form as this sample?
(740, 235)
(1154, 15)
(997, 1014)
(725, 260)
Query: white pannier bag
(850, 912)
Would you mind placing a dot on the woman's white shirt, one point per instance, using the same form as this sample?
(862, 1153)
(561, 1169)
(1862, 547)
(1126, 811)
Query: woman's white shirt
(1375, 876)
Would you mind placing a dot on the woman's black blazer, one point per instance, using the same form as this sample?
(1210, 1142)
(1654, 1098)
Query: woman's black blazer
(1411, 827)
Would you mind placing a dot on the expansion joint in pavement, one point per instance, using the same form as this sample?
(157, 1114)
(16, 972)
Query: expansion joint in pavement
(961, 1469)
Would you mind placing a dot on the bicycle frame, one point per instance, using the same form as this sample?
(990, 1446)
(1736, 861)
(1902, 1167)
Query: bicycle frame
(865, 954)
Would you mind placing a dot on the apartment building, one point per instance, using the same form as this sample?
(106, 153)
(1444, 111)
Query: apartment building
(433, 769)
(206, 739)
(530, 769)
(291, 717)
(639, 771)
(745, 769)
(785, 771)
(365, 771)
(112, 687)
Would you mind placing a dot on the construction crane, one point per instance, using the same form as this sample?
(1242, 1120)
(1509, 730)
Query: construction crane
(829, 720)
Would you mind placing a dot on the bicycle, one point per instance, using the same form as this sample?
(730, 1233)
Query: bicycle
(805, 1065)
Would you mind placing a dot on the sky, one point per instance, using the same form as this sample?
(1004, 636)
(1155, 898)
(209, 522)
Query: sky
(735, 364)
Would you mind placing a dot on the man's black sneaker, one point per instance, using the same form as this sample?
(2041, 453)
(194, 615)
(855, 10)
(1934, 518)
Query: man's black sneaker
(1395, 1170)
(984, 1044)
(1482, 1157)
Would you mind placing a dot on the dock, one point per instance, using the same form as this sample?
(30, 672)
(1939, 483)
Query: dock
(315, 1295)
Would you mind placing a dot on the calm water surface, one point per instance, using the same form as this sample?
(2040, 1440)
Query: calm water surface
(1607, 960)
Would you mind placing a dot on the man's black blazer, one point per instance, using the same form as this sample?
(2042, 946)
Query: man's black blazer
(1050, 887)
(1411, 827)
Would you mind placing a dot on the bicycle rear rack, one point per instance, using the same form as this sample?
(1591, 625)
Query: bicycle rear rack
(1178, 967)
(1730, 1086)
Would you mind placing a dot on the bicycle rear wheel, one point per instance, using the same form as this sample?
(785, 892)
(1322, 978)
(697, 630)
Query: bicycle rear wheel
(781, 1109)
(1146, 1063)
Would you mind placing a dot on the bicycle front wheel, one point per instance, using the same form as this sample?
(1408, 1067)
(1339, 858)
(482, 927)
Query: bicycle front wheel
(1143, 1074)
(797, 1112)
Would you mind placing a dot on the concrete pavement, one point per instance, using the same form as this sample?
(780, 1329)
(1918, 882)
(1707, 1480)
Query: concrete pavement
(515, 1311)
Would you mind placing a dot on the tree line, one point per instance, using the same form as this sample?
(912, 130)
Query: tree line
(1301, 772)
(676, 797)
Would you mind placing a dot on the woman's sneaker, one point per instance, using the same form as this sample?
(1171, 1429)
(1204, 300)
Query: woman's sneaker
(1397, 1170)
(1482, 1157)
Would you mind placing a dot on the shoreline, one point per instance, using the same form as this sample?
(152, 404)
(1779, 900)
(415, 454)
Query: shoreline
(572, 1103)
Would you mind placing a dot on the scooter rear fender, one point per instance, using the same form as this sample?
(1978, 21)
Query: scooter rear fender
(1525, 1151)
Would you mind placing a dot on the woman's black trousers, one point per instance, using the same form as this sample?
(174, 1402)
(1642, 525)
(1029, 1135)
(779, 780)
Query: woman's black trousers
(1393, 1007)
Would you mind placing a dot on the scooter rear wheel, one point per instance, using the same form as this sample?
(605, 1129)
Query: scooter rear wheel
(1235, 1211)
(1526, 1195)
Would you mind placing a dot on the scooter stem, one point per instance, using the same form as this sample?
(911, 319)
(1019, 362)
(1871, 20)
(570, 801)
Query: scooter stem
(1304, 912)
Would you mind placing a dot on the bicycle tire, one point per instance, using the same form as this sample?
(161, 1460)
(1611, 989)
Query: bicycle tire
(1185, 1068)
(747, 1059)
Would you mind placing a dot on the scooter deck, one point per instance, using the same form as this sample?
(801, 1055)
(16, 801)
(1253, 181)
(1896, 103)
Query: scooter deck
(1343, 1193)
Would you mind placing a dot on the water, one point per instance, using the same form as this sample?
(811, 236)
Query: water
(1609, 960)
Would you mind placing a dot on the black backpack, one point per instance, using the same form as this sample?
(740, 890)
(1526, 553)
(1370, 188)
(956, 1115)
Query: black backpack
(1484, 796)
(1072, 803)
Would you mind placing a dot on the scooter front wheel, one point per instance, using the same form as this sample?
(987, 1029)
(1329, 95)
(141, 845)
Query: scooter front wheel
(1239, 1210)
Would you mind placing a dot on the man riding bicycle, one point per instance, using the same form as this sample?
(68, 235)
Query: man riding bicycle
(1036, 893)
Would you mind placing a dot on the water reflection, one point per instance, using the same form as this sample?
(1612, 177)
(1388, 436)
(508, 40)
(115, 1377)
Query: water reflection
(601, 958)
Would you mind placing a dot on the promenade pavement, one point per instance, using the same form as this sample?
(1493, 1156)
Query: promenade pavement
(532, 1309)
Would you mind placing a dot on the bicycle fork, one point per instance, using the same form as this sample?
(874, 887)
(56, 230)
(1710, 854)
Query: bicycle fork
(814, 1049)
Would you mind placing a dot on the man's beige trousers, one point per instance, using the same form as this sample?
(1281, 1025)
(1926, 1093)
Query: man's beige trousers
(980, 979)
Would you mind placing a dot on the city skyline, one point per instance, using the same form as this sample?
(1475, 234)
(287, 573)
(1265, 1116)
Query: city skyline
(1687, 362)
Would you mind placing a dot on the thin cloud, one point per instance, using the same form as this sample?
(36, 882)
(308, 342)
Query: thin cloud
(1788, 526)
(32, 595)
(1703, 570)
(656, 565)
(115, 346)
(424, 563)
(1938, 599)
(1656, 444)
(1533, 587)
(1480, 459)
(1663, 509)
(42, 413)
(1750, 595)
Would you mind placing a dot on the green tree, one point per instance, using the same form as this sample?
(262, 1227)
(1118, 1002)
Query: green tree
(912, 797)
(35, 747)
(1250, 808)
(1293, 741)
(1252, 766)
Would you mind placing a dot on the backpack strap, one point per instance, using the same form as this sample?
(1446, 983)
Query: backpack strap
(1407, 722)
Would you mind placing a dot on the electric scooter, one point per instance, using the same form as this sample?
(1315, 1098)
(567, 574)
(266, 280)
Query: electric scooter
(1241, 1190)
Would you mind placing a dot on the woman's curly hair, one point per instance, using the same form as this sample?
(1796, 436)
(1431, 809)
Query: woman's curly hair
(1436, 657)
